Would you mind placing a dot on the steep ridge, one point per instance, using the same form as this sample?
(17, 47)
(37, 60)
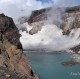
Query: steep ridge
(13, 63)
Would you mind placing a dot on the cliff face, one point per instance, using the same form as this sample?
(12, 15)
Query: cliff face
(12, 59)
(71, 21)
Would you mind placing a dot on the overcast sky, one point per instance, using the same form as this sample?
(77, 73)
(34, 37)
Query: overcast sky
(18, 8)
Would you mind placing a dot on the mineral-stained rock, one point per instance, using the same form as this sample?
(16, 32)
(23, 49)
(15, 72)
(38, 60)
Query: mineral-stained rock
(11, 52)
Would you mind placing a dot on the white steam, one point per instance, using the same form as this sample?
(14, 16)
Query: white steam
(54, 16)
(50, 38)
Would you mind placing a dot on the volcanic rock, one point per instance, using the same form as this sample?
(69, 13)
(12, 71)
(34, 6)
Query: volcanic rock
(13, 63)
(70, 18)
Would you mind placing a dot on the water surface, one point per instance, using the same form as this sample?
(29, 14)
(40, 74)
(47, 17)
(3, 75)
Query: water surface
(48, 65)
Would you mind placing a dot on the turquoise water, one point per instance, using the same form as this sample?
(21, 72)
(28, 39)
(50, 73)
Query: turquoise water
(48, 66)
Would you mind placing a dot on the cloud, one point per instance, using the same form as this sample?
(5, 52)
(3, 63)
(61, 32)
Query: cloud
(18, 8)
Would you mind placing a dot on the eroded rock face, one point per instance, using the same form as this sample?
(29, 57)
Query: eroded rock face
(11, 51)
(72, 21)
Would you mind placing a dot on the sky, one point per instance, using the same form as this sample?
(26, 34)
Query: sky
(62, 2)
(66, 3)
(19, 8)
(48, 1)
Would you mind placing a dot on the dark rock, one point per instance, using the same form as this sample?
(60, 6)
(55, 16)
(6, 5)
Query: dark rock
(69, 63)
(76, 49)
(32, 74)
(19, 46)
(72, 9)
(11, 52)
(7, 74)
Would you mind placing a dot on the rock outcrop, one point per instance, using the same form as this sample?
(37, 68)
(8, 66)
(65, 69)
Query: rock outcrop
(13, 63)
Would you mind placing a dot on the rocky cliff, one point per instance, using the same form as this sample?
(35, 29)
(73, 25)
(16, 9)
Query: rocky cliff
(70, 18)
(13, 63)
(71, 21)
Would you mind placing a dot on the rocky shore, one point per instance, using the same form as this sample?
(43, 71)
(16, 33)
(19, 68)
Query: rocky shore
(13, 62)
